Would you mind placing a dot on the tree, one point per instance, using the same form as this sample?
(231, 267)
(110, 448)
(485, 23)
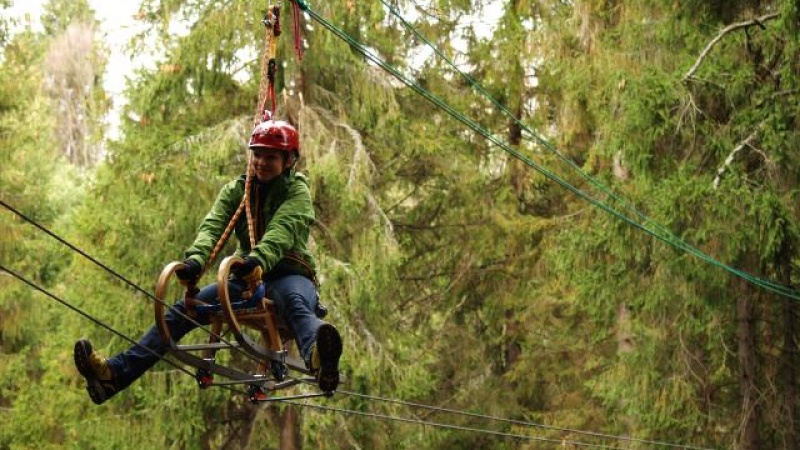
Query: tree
(675, 134)
(459, 276)
(74, 67)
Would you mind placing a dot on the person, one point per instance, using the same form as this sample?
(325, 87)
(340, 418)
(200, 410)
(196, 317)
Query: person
(282, 213)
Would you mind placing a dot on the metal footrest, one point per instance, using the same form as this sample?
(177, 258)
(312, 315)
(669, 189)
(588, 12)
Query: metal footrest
(206, 346)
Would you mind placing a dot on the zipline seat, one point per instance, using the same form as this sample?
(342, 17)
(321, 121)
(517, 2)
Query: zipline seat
(255, 312)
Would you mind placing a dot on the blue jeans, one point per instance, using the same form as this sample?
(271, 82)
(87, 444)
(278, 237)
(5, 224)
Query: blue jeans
(295, 298)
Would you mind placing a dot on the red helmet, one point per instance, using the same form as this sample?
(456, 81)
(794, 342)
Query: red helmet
(276, 135)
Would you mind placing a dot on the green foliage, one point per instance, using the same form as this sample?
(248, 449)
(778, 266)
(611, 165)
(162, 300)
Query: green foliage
(458, 277)
(25, 177)
(677, 143)
(37, 182)
(59, 14)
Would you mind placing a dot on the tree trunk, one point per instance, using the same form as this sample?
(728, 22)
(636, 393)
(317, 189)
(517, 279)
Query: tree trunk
(746, 336)
(512, 347)
(517, 170)
(625, 344)
(789, 357)
(290, 429)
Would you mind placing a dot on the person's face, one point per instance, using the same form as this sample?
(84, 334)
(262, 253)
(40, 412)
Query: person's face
(269, 164)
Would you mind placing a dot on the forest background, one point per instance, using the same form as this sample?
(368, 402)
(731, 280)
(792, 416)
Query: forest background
(461, 277)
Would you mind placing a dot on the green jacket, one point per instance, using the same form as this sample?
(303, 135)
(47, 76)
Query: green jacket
(282, 212)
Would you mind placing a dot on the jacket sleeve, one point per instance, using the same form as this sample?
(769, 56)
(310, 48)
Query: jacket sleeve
(214, 223)
(289, 227)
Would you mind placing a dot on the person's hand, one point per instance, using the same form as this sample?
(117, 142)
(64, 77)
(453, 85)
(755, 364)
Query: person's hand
(190, 271)
(249, 270)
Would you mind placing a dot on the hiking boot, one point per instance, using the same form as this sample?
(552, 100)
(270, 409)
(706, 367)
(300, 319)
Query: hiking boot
(325, 357)
(95, 368)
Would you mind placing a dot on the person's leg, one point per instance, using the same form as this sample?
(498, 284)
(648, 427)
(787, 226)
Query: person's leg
(130, 364)
(295, 298)
(106, 377)
(319, 343)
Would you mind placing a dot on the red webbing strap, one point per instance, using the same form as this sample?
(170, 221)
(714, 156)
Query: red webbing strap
(266, 90)
(298, 40)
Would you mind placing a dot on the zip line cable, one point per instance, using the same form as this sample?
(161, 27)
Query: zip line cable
(375, 398)
(675, 240)
(765, 284)
(99, 322)
(125, 280)
(301, 404)
(562, 442)
(79, 311)
(517, 422)
(349, 393)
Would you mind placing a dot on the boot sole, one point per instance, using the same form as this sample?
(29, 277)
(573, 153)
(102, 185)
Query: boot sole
(97, 391)
(329, 346)
(81, 354)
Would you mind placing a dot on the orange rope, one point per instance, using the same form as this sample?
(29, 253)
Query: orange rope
(224, 238)
(266, 90)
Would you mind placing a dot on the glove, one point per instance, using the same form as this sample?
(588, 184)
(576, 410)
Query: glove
(249, 271)
(190, 271)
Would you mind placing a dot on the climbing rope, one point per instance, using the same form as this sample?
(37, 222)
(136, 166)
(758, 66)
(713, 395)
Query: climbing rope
(298, 40)
(269, 66)
(266, 92)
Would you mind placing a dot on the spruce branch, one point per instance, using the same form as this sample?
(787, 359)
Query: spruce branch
(759, 21)
(729, 160)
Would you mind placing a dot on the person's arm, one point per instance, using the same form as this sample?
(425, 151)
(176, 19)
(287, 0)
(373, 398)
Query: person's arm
(214, 223)
(289, 226)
